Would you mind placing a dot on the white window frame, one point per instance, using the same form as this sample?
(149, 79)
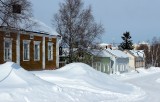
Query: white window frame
(10, 49)
(28, 47)
(50, 51)
(38, 53)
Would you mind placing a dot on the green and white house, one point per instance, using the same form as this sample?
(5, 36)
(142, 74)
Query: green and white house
(100, 61)
(119, 60)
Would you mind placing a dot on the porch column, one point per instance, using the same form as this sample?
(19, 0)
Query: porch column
(58, 40)
(43, 54)
(18, 48)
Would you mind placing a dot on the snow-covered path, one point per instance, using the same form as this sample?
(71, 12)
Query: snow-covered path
(150, 84)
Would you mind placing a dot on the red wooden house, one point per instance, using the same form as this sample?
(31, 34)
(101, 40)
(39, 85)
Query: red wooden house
(31, 50)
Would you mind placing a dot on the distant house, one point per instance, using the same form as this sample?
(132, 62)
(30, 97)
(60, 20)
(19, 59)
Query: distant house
(30, 49)
(136, 58)
(100, 61)
(113, 46)
(119, 60)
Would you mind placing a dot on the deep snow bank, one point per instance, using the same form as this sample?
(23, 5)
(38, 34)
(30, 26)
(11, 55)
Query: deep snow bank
(13, 75)
(134, 74)
(75, 82)
(19, 85)
(83, 77)
(85, 73)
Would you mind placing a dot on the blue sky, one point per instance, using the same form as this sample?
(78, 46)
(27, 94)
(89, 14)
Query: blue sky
(140, 17)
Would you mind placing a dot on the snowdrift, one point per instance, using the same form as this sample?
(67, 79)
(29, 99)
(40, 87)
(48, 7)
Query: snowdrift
(76, 82)
(12, 75)
(83, 73)
(83, 77)
(19, 85)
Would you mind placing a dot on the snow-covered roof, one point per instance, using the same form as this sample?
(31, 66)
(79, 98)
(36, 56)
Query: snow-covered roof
(137, 53)
(117, 53)
(37, 26)
(42, 27)
(103, 44)
(99, 53)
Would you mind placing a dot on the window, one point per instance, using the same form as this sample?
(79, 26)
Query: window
(50, 51)
(37, 50)
(7, 49)
(26, 50)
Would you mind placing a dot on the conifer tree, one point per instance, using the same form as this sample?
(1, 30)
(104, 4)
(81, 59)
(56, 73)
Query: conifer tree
(127, 42)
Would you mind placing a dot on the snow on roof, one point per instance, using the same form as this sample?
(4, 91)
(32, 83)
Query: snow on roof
(99, 53)
(42, 27)
(137, 53)
(144, 42)
(104, 44)
(38, 26)
(117, 53)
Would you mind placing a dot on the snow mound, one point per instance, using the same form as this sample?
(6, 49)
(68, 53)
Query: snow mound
(75, 82)
(79, 71)
(19, 85)
(83, 77)
(13, 75)
(158, 80)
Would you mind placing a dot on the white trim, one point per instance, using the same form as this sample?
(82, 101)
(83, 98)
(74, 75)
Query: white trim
(26, 42)
(58, 40)
(18, 48)
(38, 44)
(43, 54)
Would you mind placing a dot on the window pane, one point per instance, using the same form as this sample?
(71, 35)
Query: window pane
(26, 51)
(50, 51)
(6, 44)
(36, 52)
(5, 54)
(7, 51)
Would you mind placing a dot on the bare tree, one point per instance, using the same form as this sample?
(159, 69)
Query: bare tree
(152, 52)
(77, 27)
(155, 52)
(14, 12)
(146, 49)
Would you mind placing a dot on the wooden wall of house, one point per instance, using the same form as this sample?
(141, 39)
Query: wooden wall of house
(50, 64)
(1, 47)
(14, 41)
(31, 64)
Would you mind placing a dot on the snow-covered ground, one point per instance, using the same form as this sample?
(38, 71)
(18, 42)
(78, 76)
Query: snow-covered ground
(77, 82)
